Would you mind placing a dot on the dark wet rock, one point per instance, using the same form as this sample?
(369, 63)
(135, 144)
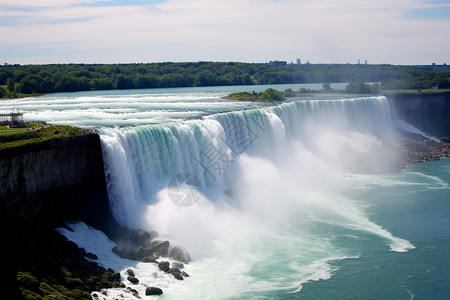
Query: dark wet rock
(91, 256)
(59, 268)
(115, 276)
(177, 275)
(179, 254)
(161, 247)
(149, 258)
(130, 272)
(125, 250)
(174, 270)
(27, 281)
(134, 292)
(136, 245)
(184, 274)
(178, 265)
(151, 290)
(117, 284)
(140, 237)
(164, 266)
(132, 279)
(143, 251)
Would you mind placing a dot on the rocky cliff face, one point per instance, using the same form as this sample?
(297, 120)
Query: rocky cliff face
(54, 181)
(428, 112)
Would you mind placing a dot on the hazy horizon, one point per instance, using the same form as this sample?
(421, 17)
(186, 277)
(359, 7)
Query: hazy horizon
(207, 61)
(139, 31)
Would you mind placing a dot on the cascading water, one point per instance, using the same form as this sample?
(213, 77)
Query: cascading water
(266, 198)
(271, 185)
(141, 161)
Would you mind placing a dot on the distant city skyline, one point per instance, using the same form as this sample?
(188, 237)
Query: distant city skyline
(326, 31)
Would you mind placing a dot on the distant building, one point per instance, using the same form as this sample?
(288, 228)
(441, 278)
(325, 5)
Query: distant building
(278, 62)
(299, 61)
(365, 62)
(359, 61)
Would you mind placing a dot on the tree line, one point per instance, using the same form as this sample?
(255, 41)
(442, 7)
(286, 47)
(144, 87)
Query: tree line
(29, 79)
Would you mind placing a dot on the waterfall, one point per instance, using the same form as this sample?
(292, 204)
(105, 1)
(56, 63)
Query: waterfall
(264, 197)
(141, 161)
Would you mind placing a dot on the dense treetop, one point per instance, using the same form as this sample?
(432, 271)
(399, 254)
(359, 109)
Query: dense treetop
(29, 79)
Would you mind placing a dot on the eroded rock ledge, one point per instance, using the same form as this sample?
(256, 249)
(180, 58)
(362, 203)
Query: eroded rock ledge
(414, 149)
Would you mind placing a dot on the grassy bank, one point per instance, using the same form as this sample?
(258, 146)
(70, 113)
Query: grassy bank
(4, 129)
(18, 137)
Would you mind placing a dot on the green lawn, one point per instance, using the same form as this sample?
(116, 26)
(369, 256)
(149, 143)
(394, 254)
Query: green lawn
(6, 130)
(23, 137)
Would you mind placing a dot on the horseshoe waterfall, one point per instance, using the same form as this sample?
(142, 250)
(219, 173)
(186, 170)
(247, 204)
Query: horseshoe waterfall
(300, 199)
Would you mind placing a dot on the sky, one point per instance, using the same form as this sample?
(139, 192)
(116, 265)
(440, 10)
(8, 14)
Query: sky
(412, 32)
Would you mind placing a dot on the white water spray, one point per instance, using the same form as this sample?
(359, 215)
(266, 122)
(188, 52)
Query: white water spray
(255, 167)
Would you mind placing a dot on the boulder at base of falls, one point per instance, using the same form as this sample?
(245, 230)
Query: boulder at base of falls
(177, 275)
(161, 247)
(184, 274)
(179, 254)
(125, 250)
(151, 290)
(164, 266)
(149, 258)
(143, 251)
(136, 245)
(132, 279)
(115, 276)
(178, 265)
(140, 237)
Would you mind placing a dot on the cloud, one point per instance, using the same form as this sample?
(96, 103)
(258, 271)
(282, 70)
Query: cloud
(247, 30)
(25, 4)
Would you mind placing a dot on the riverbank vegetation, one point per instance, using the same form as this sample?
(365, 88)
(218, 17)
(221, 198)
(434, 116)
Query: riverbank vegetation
(18, 137)
(274, 95)
(266, 96)
(18, 81)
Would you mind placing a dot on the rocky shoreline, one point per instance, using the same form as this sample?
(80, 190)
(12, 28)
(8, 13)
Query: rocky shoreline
(45, 265)
(414, 149)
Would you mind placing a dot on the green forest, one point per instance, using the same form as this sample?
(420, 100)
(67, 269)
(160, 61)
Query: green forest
(36, 79)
